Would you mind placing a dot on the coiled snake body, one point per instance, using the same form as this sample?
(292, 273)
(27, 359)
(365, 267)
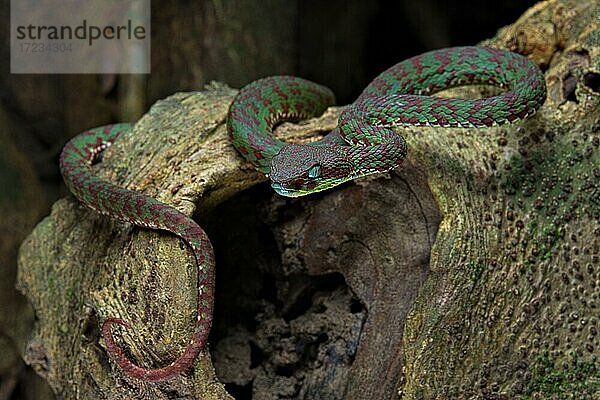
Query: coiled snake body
(363, 143)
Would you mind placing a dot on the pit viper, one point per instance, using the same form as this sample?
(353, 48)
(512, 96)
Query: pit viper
(365, 141)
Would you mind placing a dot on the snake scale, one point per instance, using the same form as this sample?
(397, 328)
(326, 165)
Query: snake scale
(363, 143)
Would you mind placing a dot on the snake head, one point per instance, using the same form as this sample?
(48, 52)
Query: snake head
(298, 170)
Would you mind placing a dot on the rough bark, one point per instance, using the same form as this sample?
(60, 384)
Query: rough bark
(472, 272)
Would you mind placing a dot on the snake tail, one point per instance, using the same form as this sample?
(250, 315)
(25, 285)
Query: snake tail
(128, 206)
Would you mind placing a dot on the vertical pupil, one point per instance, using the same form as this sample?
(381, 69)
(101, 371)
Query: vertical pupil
(314, 171)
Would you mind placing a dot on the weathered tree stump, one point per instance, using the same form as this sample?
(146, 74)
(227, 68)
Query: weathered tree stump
(471, 272)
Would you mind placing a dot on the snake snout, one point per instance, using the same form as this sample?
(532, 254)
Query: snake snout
(298, 170)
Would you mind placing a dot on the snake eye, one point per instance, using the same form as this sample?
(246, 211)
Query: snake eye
(314, 171)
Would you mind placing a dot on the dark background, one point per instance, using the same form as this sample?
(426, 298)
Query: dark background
(342, 44)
